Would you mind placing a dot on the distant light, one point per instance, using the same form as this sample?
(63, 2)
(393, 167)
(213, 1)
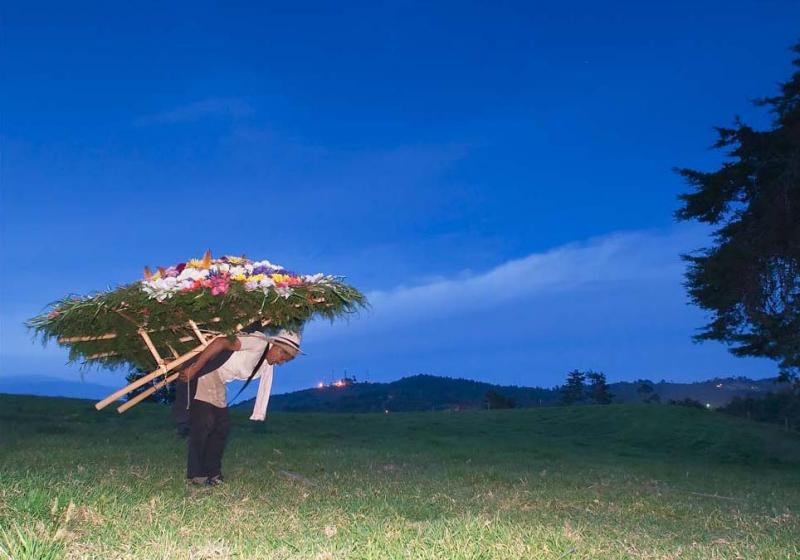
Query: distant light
(339, 383)
(708, 405)
(386, 411)
(719, 385)
(320, 385)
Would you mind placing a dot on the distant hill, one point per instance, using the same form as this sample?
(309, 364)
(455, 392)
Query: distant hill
(715, 392)
(415, 393)
(53, 387)
(429, 392)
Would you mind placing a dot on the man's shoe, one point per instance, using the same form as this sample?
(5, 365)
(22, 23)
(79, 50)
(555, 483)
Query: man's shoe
(198, 480)
(215, 480)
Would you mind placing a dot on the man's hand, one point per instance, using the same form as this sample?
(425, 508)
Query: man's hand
(187, 373)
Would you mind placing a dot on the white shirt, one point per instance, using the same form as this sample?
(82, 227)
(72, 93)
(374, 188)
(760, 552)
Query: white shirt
(211, 387)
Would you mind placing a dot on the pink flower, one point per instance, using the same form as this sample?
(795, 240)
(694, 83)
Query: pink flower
(219, 285)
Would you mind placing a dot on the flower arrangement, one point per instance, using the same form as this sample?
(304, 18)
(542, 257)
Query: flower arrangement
(218, 274)
(221, 295)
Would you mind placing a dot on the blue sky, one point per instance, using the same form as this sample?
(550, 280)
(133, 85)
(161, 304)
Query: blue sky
(496, 176)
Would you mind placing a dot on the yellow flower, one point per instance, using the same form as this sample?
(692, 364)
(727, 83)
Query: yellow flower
(195, 263)
(280, 277)
(256, 278)
(236, 260)
(239, 277)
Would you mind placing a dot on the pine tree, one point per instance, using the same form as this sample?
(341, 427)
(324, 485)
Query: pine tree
(573, 391)
(749, 279)
(598, 389)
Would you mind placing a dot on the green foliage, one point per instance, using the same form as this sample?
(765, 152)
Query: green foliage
(687, 402)
(41, 540)
(598, 388)
(777, 408)
(655, 398)
(645, 388)
(495, 401)
(750, 278)
(574, 391)
(550, 483)
(18, 543)
(127, 309)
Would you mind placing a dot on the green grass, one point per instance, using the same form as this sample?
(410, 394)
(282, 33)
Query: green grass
(555, 483)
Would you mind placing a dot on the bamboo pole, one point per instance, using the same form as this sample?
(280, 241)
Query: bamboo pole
(162, 370)
(101, 355)
(109, 336)
(152, 348)
(174, 352)
(167, 380)
(70, 339)
(174, 327)
(197, 332)
(152, 375)
(144, 394)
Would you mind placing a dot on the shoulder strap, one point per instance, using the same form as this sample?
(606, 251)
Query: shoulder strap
(253, 373)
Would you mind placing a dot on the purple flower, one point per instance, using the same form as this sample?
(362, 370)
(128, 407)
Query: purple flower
(263, 269)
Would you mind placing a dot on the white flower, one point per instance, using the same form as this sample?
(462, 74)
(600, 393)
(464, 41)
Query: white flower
(192, 274)
(265, 284)
(234, 270)
(314, 279)
(162, 288)
(284, 292)
(185, 284)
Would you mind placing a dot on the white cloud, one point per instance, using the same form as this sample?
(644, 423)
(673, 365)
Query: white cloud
(233, 108)
(642, 256)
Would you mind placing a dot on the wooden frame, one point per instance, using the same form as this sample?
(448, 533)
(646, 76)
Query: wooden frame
(164, 367)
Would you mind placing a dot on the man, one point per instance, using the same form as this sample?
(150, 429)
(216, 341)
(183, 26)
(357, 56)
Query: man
(252, 356)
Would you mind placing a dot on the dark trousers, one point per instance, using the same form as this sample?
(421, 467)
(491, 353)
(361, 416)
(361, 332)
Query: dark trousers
(208, 432)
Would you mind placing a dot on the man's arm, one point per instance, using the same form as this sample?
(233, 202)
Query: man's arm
(217, 345)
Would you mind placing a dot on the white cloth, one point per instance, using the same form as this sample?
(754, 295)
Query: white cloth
(264, 389)
(239, 367)
(241, 363)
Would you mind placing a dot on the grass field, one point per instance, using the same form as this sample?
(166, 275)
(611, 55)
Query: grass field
(555, 483)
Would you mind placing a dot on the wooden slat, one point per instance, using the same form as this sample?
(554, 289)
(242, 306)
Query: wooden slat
(197, 332)
(174, 352)
(162, 370)
(69, 339)
(151, 347)
(100, 355)
(144, 394)
(152, 375)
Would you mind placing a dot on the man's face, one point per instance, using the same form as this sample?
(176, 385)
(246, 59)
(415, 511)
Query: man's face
(277, 355)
